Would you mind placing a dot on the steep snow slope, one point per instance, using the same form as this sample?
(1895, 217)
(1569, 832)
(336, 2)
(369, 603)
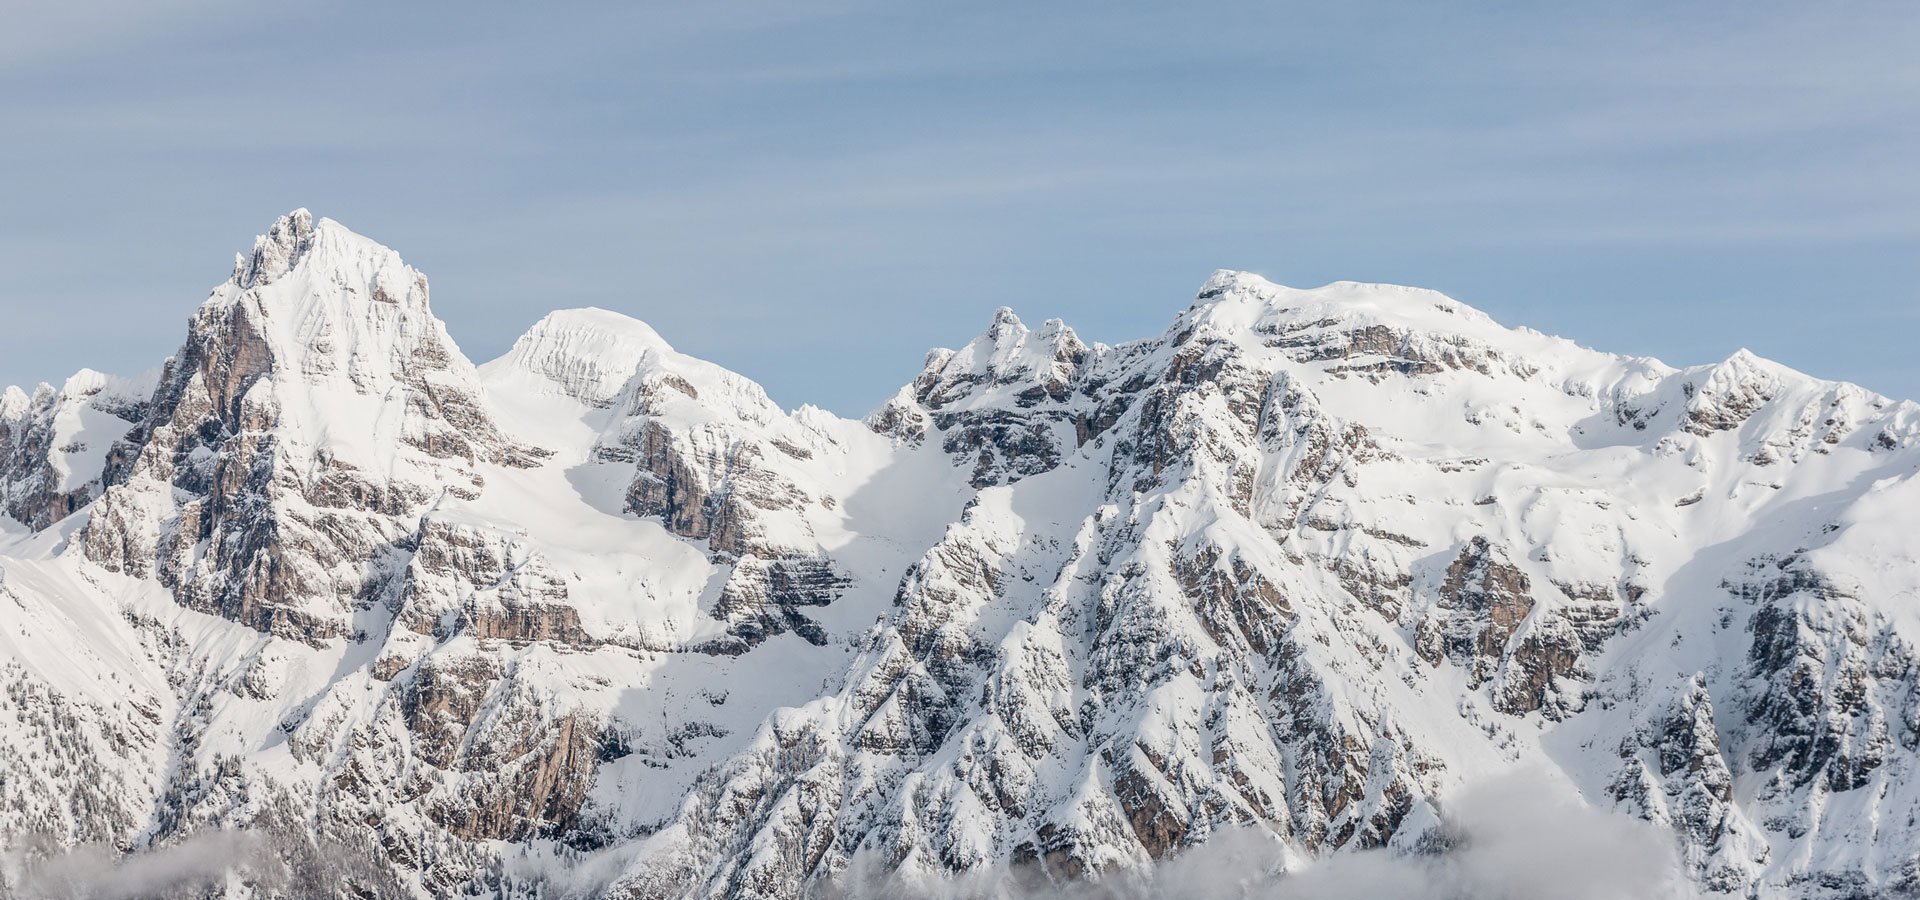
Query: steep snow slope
(599, 618)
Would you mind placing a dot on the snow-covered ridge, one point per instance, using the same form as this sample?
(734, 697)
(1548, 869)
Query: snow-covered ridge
(598, 618)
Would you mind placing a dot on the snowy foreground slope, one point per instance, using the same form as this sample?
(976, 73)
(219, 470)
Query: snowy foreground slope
(325, 608)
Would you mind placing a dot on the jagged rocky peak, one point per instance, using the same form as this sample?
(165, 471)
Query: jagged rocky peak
(333, 308)
(1004, 402)
(1721, 397)
(329, 319)
(276, 252)
(1028, 365)
(315, 408)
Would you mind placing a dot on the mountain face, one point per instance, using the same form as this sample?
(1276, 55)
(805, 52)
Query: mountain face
(598, 618)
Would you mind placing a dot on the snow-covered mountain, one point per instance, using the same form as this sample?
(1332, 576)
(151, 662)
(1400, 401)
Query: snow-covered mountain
(598, 618)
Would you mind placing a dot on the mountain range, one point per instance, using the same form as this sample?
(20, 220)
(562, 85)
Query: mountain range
(322, 608)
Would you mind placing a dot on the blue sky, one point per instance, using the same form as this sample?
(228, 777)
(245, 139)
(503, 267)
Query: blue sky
(814, 194)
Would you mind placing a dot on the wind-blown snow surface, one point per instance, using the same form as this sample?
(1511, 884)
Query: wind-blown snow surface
(599, 618)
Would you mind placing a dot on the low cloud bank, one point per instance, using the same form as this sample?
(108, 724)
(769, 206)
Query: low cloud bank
(270, 859)
(95, 872)
(1518, 837)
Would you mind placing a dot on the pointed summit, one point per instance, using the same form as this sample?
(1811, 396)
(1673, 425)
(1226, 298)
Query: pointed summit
(315, 379)
(316, 303)
(1723, 396)
(1005, 322)
(276, 252)
(330, 257)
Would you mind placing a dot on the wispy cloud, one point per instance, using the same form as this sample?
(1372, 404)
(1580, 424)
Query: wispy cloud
(620, 154)
(40, 30)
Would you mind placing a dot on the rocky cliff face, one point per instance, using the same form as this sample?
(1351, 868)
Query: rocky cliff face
(600, 619)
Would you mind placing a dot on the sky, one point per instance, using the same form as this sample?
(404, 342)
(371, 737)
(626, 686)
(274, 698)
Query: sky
(815, 194)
